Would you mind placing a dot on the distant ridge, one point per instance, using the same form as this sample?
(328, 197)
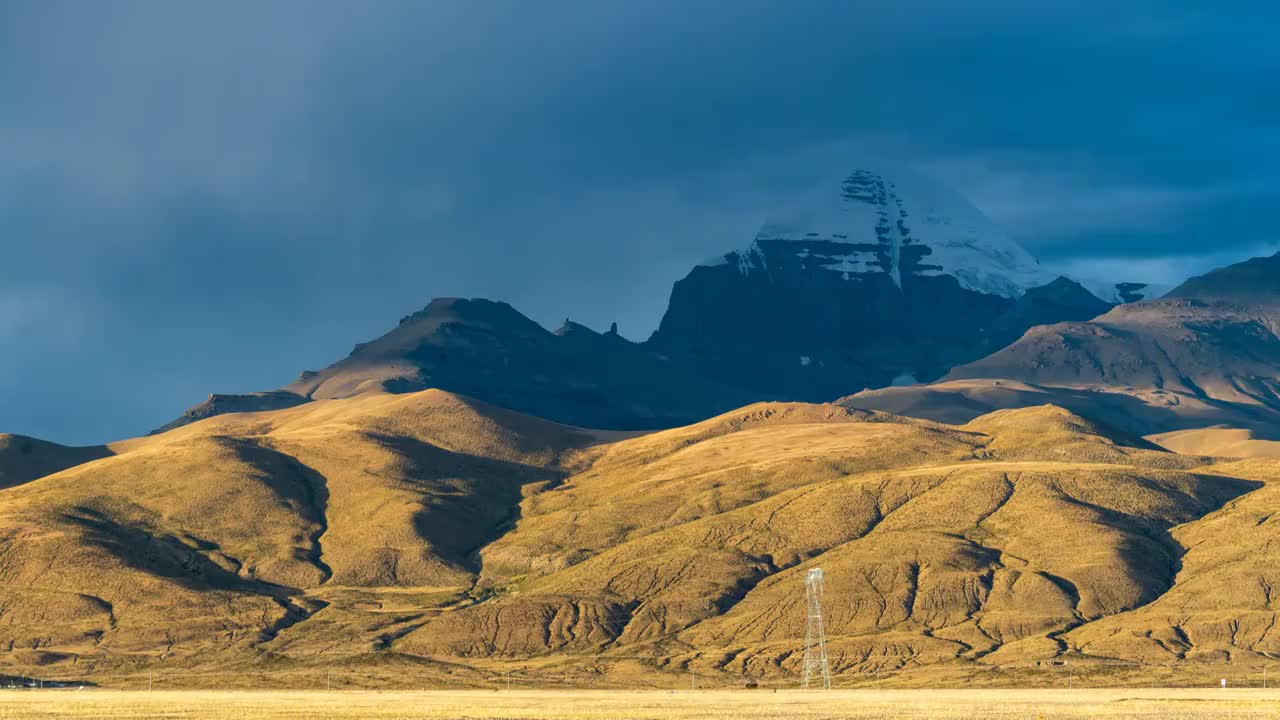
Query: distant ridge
(488, 350)
(23, 459)
(1207, 354)
(1213, 338)
(879, 278)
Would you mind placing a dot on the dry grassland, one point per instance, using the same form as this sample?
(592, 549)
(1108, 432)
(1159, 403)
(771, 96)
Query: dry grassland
(648, 705)
(426, 541)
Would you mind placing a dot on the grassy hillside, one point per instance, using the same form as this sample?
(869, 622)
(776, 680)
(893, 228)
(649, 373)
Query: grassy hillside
(23, 459)
(437, 537)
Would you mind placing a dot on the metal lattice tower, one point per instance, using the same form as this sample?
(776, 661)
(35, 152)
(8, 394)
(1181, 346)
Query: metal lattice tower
(815, 634)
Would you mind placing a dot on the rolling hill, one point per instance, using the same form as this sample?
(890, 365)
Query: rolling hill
(23, 459)
(434, 538)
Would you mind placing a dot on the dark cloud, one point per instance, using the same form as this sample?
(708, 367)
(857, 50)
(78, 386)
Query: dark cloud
(202, 197)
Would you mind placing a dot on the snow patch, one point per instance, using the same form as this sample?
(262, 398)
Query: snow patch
(901, 223)
(1120, 293)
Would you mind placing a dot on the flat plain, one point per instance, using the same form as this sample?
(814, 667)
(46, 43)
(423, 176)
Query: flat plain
(1114, 704)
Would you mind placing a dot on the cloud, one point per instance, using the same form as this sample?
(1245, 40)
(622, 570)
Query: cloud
(1168, 270)
(240, 190)
(35, 322)
(1042, 204)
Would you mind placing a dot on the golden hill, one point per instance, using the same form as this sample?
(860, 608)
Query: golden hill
(23, 459)
(449, 540)
(1218, 440)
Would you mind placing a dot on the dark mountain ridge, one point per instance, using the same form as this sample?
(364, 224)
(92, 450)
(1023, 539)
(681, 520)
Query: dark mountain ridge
(873, 281)
(702, 362)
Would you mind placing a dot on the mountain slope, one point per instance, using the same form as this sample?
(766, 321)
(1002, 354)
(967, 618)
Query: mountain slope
(209, 539)
(877, 277)
(23, 459)
(490, 351)
(1220, 608)
(1213, 338)
(1185, 346)
(1133, 411)
(445, 539)
(1205, 355)
(1251, 282)
(1217, 440)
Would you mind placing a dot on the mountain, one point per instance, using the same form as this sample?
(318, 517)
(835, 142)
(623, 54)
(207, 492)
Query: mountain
(1212, 338)
(1139, 412)
(489, 350)
(426, 537)
(220, 404)
(876, 280)
(1218, 440)
(1253, 282)
(1059, 300)
(1206, 354)
(217, 537)
(872, 279)
(23, 459)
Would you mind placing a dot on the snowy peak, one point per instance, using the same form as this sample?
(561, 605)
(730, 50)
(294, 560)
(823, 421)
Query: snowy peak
(901, 225)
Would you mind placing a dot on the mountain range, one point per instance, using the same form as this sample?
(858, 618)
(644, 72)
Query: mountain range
(871, 281)
(1083, 479)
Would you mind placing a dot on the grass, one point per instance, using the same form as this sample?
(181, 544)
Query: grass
(428, 541)
(1166, 704)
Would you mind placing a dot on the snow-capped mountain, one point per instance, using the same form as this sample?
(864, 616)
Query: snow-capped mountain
(873, 276)
(903, 225)
(874, 279)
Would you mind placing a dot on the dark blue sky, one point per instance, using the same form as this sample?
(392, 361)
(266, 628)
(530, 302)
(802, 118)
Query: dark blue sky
(202, 197)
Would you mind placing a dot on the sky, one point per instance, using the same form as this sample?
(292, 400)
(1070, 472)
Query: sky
(208, 197)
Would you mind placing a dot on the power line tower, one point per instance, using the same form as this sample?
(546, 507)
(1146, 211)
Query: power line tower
(815, 634)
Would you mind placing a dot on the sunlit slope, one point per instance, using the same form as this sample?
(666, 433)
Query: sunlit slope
(1223, 605)
(940, 543)
(212, 535)
(433, 531)
(1217, 440)
(174, 548)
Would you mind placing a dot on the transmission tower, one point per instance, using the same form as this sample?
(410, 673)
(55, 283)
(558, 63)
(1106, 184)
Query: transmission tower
(815, 635)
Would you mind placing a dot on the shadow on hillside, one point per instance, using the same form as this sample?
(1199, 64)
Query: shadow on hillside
(468, 501)
(24, 459)
(183, 562)
(1149, 547)
(167, 556)
(297, 485)
(1115, 410)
